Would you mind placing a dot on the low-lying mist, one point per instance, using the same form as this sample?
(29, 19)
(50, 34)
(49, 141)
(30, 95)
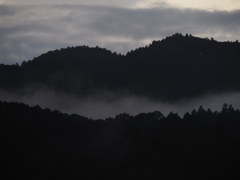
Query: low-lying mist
(107, 104)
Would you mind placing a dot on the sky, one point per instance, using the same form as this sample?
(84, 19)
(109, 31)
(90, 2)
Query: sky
(29, 28)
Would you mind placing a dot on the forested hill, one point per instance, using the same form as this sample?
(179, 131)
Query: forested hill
(175, 67)
(43, 144)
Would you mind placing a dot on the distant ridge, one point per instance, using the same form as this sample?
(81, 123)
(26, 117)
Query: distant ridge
(173, 68)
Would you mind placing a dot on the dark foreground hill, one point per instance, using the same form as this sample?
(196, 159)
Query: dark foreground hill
(43, 144)
(173, 68)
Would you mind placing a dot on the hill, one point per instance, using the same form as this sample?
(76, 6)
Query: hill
(43, 144)
(173, 68)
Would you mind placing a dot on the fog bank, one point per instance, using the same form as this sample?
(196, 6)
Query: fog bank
(109, 104)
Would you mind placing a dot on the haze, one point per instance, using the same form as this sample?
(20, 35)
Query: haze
(106, 104)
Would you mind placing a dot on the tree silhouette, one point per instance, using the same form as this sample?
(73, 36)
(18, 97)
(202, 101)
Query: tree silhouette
(42, 143)
(190, 64)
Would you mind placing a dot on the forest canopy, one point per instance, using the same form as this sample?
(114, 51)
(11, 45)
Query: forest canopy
(40, 143)
(194, 66)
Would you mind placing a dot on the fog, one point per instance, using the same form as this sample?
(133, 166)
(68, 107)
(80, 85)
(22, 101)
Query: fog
(103, 105)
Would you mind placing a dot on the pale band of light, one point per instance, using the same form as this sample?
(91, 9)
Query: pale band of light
(223, 5)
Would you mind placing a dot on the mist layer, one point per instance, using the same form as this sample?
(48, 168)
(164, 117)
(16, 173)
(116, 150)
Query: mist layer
(108, 104)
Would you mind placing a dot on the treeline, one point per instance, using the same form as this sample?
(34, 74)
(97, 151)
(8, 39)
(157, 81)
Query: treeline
(43, 144)
(191, 65)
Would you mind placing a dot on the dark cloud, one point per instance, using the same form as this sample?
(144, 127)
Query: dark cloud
(7, 10)
(28, 31)
(151, 23)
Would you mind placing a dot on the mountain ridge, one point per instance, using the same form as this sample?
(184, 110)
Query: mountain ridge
(42, 143)
(191, 65)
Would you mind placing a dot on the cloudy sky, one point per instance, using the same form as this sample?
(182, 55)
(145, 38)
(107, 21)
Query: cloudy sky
(29, 28)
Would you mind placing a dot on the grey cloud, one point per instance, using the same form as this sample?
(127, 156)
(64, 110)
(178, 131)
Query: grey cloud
(138, 24)
(7, 11)
(28, 31)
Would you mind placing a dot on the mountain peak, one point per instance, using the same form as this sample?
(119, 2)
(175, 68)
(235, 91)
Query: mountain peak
(178, 66)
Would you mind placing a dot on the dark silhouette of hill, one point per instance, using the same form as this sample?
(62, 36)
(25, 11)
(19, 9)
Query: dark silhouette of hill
(173, 68)
(39, 143)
